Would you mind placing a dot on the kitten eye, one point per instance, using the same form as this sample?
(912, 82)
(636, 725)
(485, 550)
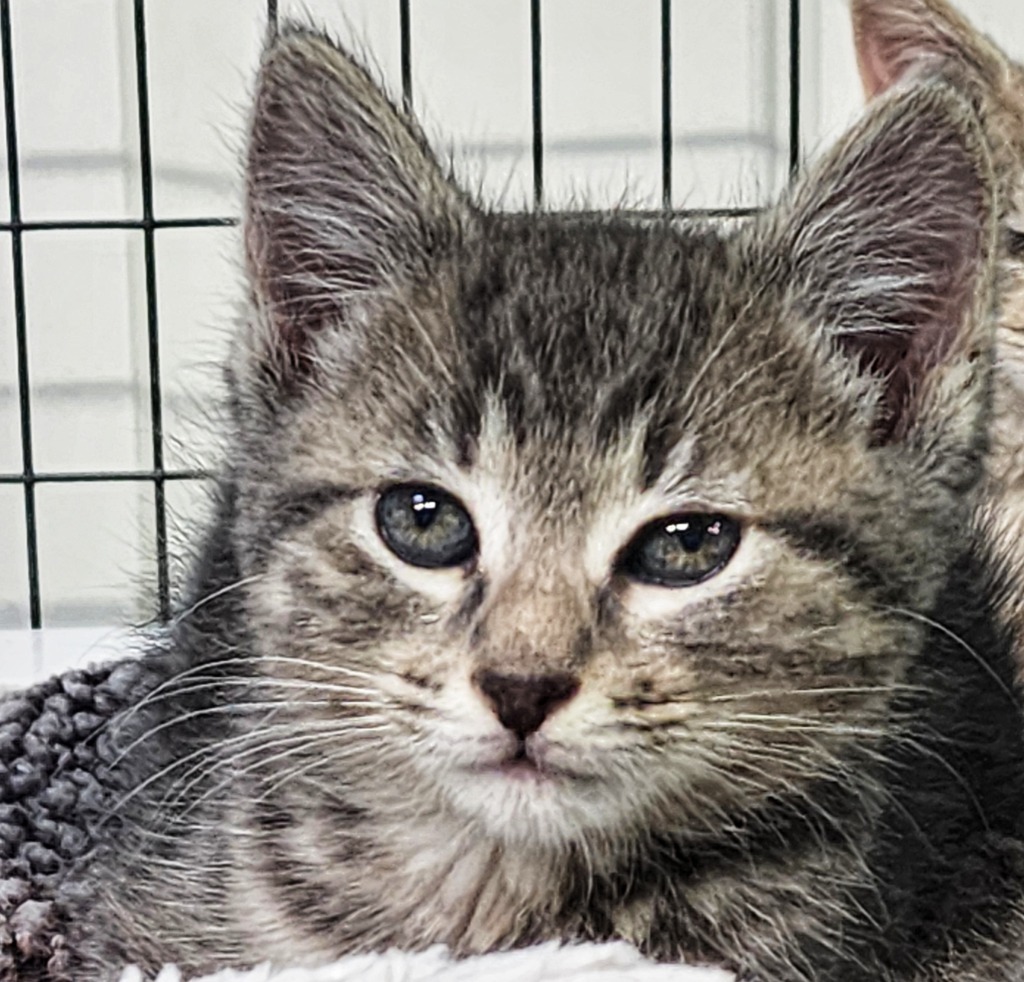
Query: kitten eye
(425, 526)
(681, 550)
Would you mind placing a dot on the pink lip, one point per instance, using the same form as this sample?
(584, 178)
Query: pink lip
(525, 767)
(521, 769)
(526, 761)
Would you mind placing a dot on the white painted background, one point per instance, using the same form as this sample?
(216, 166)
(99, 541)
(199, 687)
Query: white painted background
(74, 74)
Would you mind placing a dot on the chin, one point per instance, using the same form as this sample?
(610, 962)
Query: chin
(527, 806)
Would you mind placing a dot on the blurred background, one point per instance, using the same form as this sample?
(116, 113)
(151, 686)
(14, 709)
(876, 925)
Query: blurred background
(119, 262)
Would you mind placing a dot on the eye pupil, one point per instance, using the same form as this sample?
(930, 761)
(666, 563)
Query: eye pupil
(424, 510)
(689, 535)
(680, 550)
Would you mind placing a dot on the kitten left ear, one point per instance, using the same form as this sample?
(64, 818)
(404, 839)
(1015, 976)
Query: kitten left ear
(890, 243)
(899, 39)
(344, 199)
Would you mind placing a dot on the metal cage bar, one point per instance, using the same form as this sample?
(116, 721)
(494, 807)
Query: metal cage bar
(156, 410)
(89, 477)
(537, 104)
(405, 41)
(666, 104)
(103, 224)
(794, 86)
(28, 476)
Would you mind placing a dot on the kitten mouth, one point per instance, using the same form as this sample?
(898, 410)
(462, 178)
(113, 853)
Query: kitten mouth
(520, 764)
(521, 768)
(524, 763)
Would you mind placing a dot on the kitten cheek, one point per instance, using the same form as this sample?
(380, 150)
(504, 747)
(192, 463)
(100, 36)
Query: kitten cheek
(648, 602)
(581, 731)
(440, 585)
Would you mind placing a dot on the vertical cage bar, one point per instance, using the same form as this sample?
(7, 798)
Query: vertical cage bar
(152, 326)
(538, 119)
(794, 86)
(666, 104)
(405, 36)
(272, 17)
(20, 321)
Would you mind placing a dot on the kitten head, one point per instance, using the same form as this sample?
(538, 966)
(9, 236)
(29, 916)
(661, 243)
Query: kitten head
(564, 526)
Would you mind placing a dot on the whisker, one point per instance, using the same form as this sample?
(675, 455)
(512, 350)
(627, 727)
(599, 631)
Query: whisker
(207, 752)
(294, 743)
(231, 709)
(953, 636)
(793, 724)
(841, 690)
(214, 595)
(167, 690)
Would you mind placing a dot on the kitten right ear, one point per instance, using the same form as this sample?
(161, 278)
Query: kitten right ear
(896, 39)
(343, 196)
(890, 243)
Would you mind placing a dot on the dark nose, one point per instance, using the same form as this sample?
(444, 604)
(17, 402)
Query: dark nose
(523, 702)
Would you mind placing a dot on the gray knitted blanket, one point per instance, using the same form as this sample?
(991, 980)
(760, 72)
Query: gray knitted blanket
(57, 742)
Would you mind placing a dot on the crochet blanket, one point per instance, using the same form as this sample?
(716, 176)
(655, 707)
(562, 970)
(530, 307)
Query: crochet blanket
(56, 745)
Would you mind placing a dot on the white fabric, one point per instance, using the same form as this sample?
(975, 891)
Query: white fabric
(614, 962)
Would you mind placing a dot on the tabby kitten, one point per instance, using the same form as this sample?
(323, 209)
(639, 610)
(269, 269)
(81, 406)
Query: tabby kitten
(905, 39)
(574, 577)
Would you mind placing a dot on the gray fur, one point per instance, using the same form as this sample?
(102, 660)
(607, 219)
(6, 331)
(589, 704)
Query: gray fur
(809, 766)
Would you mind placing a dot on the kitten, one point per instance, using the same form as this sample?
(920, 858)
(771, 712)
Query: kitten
(906, 39)
(574, 577)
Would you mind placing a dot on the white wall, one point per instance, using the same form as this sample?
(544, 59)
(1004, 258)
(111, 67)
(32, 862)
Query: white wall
(76, 103)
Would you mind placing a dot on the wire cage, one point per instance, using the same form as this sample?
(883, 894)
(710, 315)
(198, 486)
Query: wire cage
(682, 70)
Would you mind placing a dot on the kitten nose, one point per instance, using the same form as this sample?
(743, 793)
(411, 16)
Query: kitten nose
(523, 702)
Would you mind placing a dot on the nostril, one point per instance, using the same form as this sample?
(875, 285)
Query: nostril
(523, 702)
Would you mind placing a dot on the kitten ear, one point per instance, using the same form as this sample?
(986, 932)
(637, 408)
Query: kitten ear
(890, 241)
(898, 39)
(343, 196)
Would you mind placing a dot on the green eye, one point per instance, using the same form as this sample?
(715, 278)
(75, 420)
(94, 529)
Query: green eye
(681, 550)
(425, 526)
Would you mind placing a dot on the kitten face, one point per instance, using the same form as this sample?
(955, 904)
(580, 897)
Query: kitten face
(791, 414)
(544, 593)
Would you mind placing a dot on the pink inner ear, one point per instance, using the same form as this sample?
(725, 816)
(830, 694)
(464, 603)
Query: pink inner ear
(884, 61)
(879, 70)
(898, 37)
